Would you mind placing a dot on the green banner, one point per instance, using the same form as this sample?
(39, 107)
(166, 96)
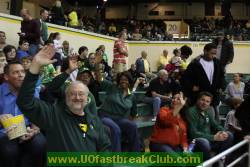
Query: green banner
(123, 159)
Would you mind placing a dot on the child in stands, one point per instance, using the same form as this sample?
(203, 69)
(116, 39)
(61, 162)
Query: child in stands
(22, 49)
(232, 123)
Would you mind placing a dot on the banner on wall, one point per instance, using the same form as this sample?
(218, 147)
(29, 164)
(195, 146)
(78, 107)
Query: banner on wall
(179, 28)
(173, 27)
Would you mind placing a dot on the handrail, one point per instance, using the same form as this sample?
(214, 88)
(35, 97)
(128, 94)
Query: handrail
(226, 152)
(237, 160)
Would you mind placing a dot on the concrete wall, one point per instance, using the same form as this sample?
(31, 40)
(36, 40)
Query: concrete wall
(33, 8)
(77, 38)
(117, 12)
(5, 6)
(155, 49)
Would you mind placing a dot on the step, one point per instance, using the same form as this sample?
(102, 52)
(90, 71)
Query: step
(144, 109)
(139, 95)
(145, 126)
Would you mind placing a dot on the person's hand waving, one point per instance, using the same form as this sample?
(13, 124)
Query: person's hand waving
(178, 102)
(45, 55)
(42, 58)
(73, 63)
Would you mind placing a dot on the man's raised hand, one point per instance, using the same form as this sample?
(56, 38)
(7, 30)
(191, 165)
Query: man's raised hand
(45, 55)
(42, 58)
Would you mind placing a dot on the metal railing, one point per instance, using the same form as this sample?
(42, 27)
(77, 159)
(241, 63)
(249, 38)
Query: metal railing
(220, 156)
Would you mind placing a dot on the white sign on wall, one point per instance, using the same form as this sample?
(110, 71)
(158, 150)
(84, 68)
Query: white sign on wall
(173, 27)
(5, 6)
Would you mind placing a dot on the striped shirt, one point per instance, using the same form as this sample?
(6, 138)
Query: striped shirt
(118, 56)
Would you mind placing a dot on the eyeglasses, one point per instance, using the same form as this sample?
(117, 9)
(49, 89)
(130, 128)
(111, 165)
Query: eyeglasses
(79, 94)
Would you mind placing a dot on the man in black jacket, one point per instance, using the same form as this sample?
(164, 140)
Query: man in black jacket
(225, 50)
(204, 73)
(30, 31)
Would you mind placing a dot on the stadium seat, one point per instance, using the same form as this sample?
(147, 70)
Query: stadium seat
(223, 111)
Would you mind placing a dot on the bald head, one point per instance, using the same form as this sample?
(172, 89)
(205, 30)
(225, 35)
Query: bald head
(163, 75)
(25, 14)
(77, 84)
(144, 54)
(162, 72)
(165, 53)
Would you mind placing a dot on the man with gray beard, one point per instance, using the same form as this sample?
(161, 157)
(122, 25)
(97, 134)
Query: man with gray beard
(69, 124)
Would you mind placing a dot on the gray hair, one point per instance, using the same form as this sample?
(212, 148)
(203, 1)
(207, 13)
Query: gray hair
(58, 3)
(162, 72)
(86, 89)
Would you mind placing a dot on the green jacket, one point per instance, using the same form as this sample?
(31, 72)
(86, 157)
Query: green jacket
(61, 127)
(43, 30)
(105, 57)
(116, 104)
(203, 126)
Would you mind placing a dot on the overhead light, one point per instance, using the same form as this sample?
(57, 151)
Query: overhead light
(105, 0)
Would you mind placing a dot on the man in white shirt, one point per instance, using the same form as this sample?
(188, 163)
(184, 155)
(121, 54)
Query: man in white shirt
(204, 73)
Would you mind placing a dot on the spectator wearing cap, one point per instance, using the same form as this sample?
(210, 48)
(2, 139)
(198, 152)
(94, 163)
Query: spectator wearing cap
(86, 77)
(225, 50)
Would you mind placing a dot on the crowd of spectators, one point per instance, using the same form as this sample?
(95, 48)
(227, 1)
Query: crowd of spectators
(201, 29)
